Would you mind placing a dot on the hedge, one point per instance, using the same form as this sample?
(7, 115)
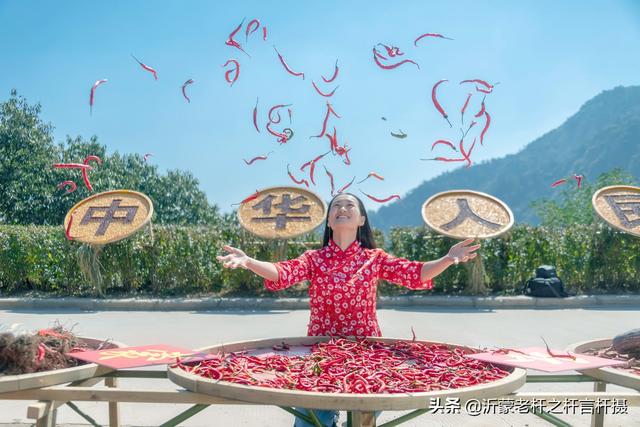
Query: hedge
(180, 260)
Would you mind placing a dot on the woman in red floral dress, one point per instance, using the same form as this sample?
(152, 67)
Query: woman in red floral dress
(344, 274)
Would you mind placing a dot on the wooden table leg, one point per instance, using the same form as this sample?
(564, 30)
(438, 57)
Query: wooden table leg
(49, 417)
(114, 415)
(597, 419)
(363, 419)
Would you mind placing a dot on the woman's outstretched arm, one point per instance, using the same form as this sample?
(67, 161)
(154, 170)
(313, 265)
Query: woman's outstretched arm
(237, 258)
(461, 252)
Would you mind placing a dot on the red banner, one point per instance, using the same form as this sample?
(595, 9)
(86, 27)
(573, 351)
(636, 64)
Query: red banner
(131, 357)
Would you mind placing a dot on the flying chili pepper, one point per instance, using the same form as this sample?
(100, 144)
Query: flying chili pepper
(479, 89)
(437, 104)
(482, 82)
(330, 110)
(400, 134)
(146, 156)
(293, 178)
(482, 108)
(304, 166)
(377, 56)
(330, 179)
(326, 95)
(420, 37)
(386, 199)
(445, 159)
(467, 155)
(486, 125)
(248, 30)
(288, 133)
(282, 137)
(93, 89)
(264, 33)
(558, 182)
(235, 70)
(255, 116)
(72, 187)
(473, 123)
(263, 157)
(85, 176)
(333, 77)
(392, 51)
(346, 185)
(71, 166)
(286, 67)
(579, 179)
(346, 160)
(184, 89)
(290, 112)
(248, 199)
(146, 67)
(67, 231)
(231, 42)
(275, 108)
(464, 107)
(444, 142)
(372, 174)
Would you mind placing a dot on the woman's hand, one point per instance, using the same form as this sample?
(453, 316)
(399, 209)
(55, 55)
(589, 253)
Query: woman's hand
(462, 251)
(236, 258)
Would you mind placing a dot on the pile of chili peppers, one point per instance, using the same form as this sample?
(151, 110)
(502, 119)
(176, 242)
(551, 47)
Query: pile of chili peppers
(347, 366)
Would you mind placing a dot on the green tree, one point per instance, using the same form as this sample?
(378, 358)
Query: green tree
(574, 205)
(28, 193)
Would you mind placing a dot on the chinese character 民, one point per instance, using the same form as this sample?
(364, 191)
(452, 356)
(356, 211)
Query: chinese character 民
(109, 215)
(284, 208)
(623, 206)
(464, 213)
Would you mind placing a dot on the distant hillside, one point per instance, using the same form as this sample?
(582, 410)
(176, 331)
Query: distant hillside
(604, 134)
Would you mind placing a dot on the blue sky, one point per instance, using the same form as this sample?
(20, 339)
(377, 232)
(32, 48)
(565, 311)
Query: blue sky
(549, 57)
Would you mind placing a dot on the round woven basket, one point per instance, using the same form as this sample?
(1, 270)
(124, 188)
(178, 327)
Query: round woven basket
(605, 202)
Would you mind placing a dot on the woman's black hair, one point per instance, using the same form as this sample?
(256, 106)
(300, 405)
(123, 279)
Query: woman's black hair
(364, 234)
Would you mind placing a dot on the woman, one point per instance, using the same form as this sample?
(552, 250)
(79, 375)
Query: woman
(344, 275)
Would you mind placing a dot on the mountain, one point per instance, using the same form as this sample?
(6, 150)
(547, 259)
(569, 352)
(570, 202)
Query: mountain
(604, 134)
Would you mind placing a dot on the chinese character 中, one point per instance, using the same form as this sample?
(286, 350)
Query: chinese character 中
(109, 215)
(465, 212)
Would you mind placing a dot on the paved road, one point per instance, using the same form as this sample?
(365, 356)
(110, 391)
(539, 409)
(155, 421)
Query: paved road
(509, 328)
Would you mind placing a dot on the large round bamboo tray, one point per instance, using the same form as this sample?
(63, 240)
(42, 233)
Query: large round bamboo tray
(610, 375)
(339, 401)
(9, 383)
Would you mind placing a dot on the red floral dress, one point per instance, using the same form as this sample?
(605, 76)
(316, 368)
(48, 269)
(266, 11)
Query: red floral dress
(343, 286)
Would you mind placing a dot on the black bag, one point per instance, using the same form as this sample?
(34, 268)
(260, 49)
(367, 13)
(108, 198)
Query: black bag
(545, 287)
(546, 271)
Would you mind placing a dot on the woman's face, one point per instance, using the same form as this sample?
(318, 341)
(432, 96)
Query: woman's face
(344, 213)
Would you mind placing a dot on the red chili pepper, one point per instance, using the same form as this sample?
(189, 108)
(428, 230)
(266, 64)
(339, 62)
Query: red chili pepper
(482, 82)
(286, 67)
(482, 109)
(330, 110)
(372, 174)
(248, 30)
(293, 178)
(41, 352)
(146, 67)
(93, 89)
(67, 232)
(436, 103)
(282, 137)
(479, 89)
(146, 156)
(347, 161)
(231, 42)
(558, 182)
(386, 199)
(71, 166)
(392, 51)
(275, 108)
(248, 199)
(445, 159)
(290, 112)
(579, 179)
(255, 116)
(333, 77)
(415, 42)
(310, 162)
(486, 125)
(263, 157)
(467, 156)
(73, 186)
(330, 178)
(326, 95)
(444, 142)
(85, 176)
(184, 87)
(377, 57)
(464, 107)
(567, 356)
(346, 185)
(264, 33)
(235, 70)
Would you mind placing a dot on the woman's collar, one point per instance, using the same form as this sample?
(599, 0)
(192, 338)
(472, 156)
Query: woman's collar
(352, 248)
